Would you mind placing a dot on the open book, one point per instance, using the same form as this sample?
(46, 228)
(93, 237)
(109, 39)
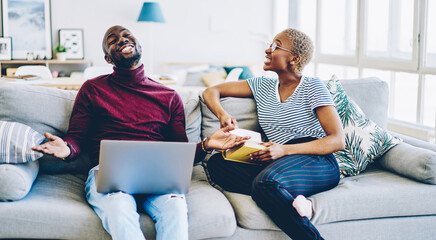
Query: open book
(242, 153)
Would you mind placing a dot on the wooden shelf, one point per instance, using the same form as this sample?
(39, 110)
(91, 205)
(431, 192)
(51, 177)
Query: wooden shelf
(54, 64)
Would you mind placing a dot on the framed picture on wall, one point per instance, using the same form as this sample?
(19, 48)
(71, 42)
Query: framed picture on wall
(28, 22)
(72, 39)
(5, 48)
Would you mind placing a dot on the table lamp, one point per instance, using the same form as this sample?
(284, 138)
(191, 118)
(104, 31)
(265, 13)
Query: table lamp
(150, 12)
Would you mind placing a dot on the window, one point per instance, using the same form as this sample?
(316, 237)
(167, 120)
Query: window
(404, 86)
(429, 116)
(389, 29)
(382, 74)
(430, 53)
(305, 17)
(325, 71)
(337, 27)
(394, 40)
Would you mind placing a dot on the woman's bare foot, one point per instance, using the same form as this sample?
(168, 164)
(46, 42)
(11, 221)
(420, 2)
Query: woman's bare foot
(303, 206)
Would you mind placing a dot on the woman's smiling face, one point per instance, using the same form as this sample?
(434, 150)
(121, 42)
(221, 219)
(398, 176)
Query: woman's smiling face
(279, 59)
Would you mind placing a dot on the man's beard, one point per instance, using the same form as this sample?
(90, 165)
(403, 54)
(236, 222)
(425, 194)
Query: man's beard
(127, 62)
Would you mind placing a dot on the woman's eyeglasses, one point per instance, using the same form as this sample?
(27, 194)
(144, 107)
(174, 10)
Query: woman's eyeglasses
(274, 46)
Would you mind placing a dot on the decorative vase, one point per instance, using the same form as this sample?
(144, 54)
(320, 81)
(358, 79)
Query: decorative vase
(61, 56)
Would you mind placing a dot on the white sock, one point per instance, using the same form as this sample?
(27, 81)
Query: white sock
(303, 206)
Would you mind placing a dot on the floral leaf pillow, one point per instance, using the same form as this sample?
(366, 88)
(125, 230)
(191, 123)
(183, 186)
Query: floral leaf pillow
(364, 140)
(16, 142)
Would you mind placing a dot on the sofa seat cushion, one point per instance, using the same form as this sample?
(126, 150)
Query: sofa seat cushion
(56, 207)
(371, 195)
(210, 214)
(374, 194)
(248, 214)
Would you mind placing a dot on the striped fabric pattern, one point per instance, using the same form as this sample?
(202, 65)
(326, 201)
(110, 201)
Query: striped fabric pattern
(295, 117)
(16, 142)
(274, 187)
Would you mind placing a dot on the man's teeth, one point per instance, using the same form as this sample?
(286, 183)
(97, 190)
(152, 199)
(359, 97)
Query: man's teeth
(127, 49)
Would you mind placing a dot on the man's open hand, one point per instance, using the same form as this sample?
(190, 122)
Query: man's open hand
(56, 146)
(221, 139)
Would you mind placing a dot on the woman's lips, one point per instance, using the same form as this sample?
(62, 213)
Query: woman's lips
(267, 61)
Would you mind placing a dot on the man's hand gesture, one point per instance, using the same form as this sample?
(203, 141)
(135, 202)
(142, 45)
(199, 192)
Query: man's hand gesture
(221, 139)
(56, 146)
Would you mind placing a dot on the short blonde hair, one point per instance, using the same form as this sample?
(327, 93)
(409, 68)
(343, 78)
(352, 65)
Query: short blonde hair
(302, 45)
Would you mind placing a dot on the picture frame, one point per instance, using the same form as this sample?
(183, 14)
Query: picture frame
(28, 22)
(72, 39)
(5, 48)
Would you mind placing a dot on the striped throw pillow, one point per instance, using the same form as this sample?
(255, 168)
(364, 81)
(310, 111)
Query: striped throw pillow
(16, 142)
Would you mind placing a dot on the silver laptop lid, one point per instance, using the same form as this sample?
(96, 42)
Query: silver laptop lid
(145, 166)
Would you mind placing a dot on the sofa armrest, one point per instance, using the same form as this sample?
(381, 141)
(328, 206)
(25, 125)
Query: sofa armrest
(16, 180)
(415, 141)
(411, 161)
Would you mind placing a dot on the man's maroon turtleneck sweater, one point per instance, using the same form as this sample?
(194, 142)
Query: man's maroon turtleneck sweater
(125, 105)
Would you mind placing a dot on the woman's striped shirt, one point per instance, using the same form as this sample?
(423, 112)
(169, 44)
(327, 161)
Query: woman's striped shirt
(295, 117)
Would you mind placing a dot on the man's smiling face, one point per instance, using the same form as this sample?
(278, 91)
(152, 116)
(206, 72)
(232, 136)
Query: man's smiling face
(121, 48)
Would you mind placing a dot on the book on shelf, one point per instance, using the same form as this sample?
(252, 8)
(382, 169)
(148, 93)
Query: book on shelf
(242, 152)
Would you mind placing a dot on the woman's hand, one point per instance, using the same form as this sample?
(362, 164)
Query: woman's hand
(56, 146)
(222, 139)
(227, 120)
(273, 151)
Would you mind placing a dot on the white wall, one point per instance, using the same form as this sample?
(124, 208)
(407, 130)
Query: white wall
(194, 31)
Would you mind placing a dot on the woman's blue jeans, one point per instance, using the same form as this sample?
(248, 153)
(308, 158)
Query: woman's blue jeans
(119, 216)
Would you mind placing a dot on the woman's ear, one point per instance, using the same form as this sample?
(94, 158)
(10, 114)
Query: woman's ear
(295, 60)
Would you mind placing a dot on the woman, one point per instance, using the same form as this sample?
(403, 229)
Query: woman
(301, 123)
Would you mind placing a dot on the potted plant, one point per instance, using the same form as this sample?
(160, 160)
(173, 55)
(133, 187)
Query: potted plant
(61, 51)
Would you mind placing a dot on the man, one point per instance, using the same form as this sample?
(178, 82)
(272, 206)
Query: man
(127, 105)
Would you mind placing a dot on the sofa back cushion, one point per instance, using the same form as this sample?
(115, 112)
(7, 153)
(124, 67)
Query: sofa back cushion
(191, 104)
(243, 109)
(371, 95)
(49, 110)
(45, 110)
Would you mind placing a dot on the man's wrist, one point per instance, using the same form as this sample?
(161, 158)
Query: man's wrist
(69, 147)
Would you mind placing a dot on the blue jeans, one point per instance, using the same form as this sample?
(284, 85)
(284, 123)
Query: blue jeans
(120, 218)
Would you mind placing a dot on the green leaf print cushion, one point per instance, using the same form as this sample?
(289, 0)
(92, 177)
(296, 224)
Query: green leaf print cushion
(364, 140)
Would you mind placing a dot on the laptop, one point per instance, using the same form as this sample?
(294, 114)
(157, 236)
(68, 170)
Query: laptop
(145, 167)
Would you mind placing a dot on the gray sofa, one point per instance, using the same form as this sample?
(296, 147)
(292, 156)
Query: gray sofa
(388, 201)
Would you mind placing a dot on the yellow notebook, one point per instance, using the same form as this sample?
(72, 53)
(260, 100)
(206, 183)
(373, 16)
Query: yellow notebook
(242, 153)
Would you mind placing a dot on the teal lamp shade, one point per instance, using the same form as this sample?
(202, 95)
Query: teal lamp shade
(151, 12)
